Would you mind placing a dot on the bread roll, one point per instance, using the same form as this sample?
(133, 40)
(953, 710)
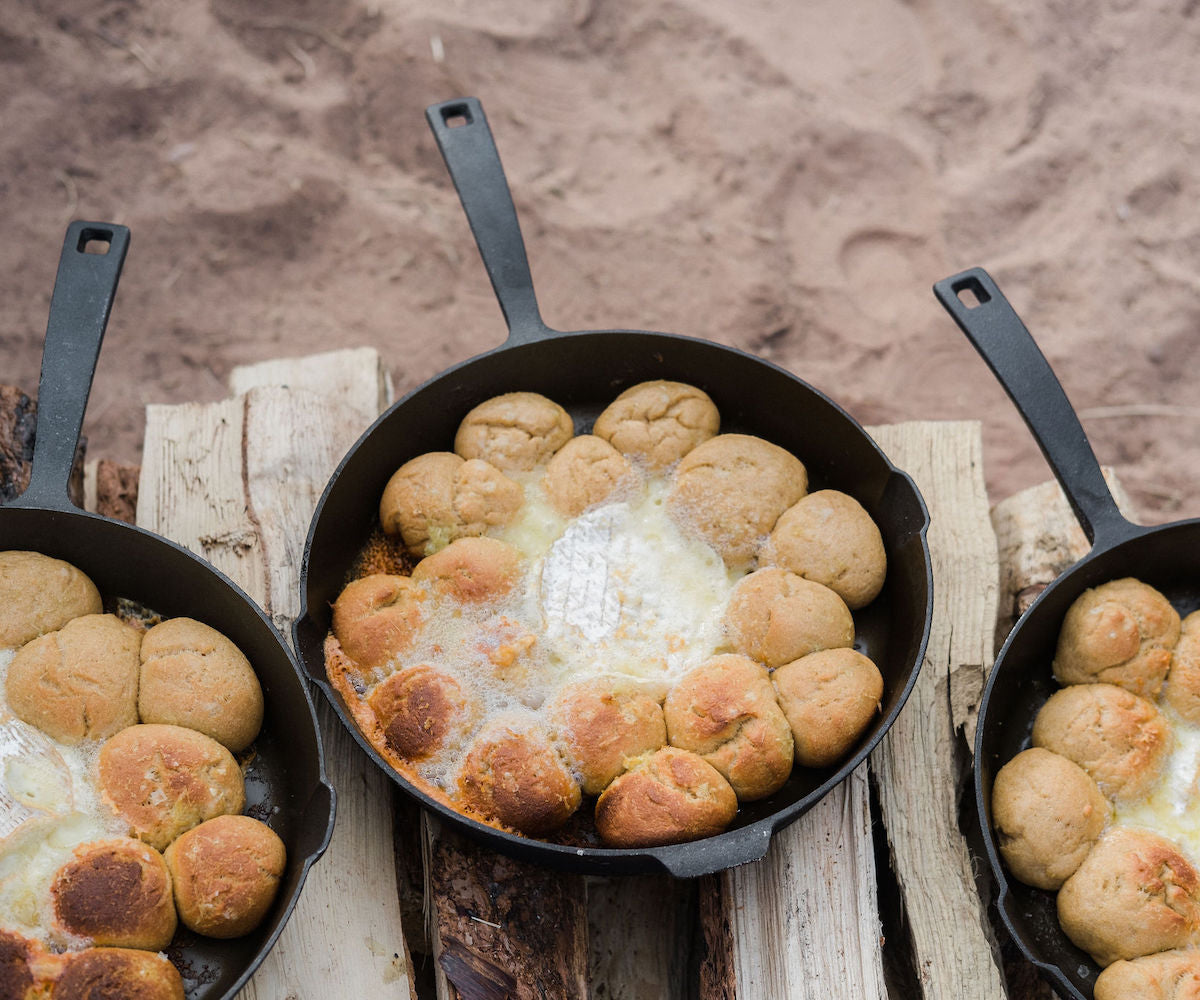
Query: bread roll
(163, 780)
(471, 570)
(118, 974)
(1121, 740)
(828, 537)
(26, 968)
(226, 874)
(667, 797)
(116, 892)
(658, 422)
(515, 431)
(422, 709)
(585, 471)
(78, 683)
(604, 722)
(437, 497)
(1121, 633)
(829, 698)
(39, 594)
(376, 618)
(775, 616)
(1048, 812)
(1134, 894)
(731, 490)
(1182, 691)
(1167, 975)
(194, 676)
(725, 711)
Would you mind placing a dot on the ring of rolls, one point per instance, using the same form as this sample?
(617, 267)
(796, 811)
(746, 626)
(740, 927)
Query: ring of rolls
(1099, 809)
(653, 619)
(121, 798)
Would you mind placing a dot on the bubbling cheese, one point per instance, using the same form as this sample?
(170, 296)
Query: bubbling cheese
(1172, 808)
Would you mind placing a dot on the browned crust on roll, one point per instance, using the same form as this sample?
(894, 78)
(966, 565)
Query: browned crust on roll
(194, 676)
(116, 892)
(16, 972)
(1122, 633)
(514, 774)
(118, 974)
(226, 874)
(725, 711)
(163, 780)
(668, 797)
(376, 617)
(1134, 894)
(419, 709)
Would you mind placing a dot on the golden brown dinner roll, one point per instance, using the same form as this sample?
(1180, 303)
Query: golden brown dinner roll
(439, 496)
(829, 538)
(118, 974)
(1133, 895)
(513, 773)
(1122, 633)
(515, 431)
(1121, 740)
(163, 780)
(226, 873)
(1182, 691)
(422, 709)
(39, 594)
(732, 489)
(193, 676)
(1048, 812)
(775, 616)
(725, 711)
(78, 683)
(658, 422)
(667, 797)
(376, 618)
(604, 722)
(585, 471)
(828, 697)
(26, 969)
(1167, 975)
(471, 570)
(116, 892)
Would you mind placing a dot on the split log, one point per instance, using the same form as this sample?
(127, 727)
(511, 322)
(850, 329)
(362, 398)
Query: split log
(237, 481)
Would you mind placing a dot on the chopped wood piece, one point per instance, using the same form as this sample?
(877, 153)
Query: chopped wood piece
(18, 419)
(116, 490)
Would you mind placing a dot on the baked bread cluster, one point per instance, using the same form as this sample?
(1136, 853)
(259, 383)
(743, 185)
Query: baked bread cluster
(1095, 810)
(653, 619)
(121, 794)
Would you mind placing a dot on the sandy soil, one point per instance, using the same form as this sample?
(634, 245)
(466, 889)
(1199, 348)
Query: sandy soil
(787, 178)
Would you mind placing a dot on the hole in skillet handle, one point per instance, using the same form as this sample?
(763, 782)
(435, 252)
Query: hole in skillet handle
(970, 292)
(456, 115)
(94, 240)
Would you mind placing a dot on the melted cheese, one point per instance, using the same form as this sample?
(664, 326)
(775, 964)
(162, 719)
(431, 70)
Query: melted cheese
(1172, 808)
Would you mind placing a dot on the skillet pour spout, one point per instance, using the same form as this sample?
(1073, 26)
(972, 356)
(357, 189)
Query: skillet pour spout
(1021, 680)
(583, 371)
(284, 774)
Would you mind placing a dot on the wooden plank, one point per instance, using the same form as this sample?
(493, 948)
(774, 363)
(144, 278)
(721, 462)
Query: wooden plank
(237, 481)
(919, 761)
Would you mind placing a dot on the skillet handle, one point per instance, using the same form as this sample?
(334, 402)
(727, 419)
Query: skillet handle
(1009, 349)
(465, 140)
(79, 308)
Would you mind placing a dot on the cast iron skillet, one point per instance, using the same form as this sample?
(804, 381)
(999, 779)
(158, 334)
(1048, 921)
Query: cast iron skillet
(1164, 557)
(584, 371)
(285, 780)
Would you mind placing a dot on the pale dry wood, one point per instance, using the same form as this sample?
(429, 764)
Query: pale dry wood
(238, 481)
(918, 764)
(352, 375)
(805, 920)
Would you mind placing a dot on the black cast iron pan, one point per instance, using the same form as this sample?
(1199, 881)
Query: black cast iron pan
(285, 778)
(584, 371)
(1166, 557)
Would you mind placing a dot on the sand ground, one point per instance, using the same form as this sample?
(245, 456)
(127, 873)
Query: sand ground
(789, 178)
